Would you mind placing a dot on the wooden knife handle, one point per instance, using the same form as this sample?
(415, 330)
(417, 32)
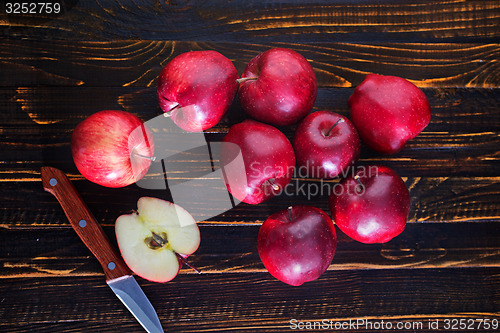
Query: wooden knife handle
(81, 219)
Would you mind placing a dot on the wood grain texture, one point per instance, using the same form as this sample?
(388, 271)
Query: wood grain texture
(420, 323)
(185, 304)
(58, 252)
(298, 21)
(461, 140)
(138, 63)
(59, 109)
(107, 54)
(467, 155)
(445, 199)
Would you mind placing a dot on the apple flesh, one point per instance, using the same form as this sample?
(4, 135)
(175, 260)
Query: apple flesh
(268, 160)
(278, 87)
(197, 88)
(112, 148)
(326, 144)
(297, 244)
(371, 206)
(155, 240)
(388, 111)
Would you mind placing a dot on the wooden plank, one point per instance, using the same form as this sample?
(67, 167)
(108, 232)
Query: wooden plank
(444, 199)
(60, 109)
(431, 154)
(461, 140)
(59, 252)
(419, 323)
(298, 21)
(138, 63)
(215, 302)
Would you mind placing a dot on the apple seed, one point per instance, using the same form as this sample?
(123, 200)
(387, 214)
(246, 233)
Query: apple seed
(156, 241)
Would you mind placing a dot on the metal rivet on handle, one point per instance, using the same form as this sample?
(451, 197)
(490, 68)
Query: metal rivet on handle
(111, 265)
(53, 181)
(82, 223)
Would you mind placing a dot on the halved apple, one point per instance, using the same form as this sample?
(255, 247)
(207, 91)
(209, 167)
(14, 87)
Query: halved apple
(155, 240)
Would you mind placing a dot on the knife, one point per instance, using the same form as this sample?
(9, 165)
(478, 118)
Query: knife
(118, 275)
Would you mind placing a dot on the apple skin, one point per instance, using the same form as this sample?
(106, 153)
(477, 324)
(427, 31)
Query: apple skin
(324, 151)
(197, 88)
(284, 90)
(267, 155)
(375, 215)
(388, 111)
(297, 250)
(134, 233)
(104, 148)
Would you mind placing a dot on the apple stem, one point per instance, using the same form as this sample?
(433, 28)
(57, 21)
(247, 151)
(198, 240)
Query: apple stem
(168, 114)
(156, 241)
(358, 189)
(243, 79)
(341, 120)
(184, 261)
(151, 158)
(290, 214)
(274, 186)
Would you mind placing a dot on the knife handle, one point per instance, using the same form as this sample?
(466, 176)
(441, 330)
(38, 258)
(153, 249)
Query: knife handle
(88, 229)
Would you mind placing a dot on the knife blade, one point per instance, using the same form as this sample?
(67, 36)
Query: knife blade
(118, 275)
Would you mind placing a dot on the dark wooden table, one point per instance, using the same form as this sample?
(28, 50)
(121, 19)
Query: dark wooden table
(55, 70)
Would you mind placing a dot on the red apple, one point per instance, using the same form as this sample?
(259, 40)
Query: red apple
(278, 87)
(297, 244)
(325, 144)
(268, 160)
(372, 205)
(156, 240)
(388, 111)
(196, 89)
(112, 148)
